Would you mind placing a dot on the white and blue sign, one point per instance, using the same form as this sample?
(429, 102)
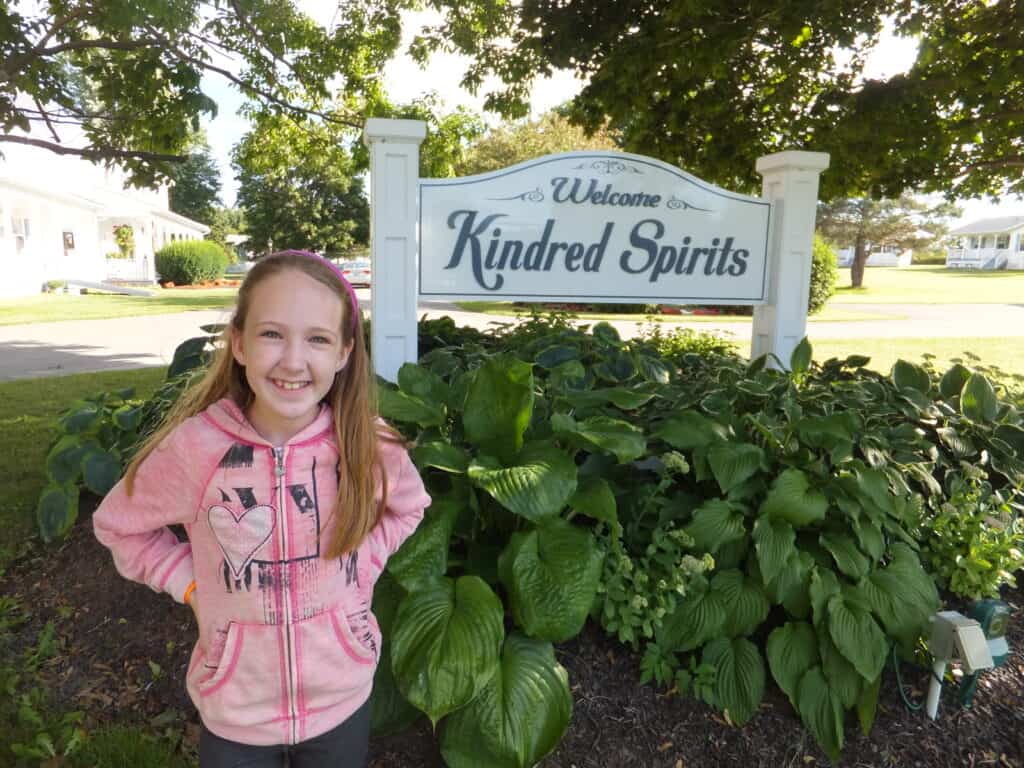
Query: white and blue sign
(593, 226)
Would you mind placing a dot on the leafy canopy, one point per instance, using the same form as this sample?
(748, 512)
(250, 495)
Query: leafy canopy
(711, 86)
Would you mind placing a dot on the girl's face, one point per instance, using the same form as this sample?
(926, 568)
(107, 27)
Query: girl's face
(291, 349)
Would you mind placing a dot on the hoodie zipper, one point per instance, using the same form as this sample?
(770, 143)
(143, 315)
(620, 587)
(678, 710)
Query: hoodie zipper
(279, 472)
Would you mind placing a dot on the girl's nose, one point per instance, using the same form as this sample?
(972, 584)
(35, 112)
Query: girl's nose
(292, 357)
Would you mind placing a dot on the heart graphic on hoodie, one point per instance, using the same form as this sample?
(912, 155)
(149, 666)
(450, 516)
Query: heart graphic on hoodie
(241, 537)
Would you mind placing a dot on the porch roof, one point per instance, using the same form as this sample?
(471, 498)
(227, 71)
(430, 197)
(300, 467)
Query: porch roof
(990, 226)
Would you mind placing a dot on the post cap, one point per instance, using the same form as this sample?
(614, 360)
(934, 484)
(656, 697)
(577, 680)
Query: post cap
(385, 129)
(794, 160)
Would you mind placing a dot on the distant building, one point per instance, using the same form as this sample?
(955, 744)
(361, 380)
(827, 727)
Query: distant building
(58, 216)
(879, 256)
(987, 244)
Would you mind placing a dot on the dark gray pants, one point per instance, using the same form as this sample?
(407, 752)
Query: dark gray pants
(342, 747)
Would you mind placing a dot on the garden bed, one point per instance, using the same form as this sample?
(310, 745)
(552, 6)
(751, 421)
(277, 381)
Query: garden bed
(122, 652)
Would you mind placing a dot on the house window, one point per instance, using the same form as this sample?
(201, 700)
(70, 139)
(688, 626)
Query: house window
(1020, 242)
(1002, 241)
(986, 241)
(974, 242)
(21, 230)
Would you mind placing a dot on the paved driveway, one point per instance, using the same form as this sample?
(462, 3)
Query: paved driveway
(47, 349)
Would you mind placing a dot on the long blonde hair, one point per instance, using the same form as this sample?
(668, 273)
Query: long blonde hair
(352, 399)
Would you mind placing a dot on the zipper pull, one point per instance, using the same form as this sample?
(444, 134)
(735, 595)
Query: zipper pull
(278, 461)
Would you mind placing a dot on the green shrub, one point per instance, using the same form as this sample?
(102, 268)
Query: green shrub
(934, 257)
(186, 262)
(824, 274)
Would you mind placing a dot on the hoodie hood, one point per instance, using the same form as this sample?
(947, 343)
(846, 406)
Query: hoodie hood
(228, 417)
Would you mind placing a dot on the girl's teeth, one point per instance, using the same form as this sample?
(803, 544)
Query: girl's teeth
(290, 385)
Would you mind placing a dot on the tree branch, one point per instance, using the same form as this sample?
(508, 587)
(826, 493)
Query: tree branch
(1003, 162)
(46, 117)
(104, 43)
(91, 153)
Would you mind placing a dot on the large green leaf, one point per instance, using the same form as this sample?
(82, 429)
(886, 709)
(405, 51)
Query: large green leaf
(696, 619)
(423, 557)
(439, 454)
(594, 498)
(613, 436)
(732, 463)
(902, 594)
(536, 486)
(554, 575)
(716, 522)
(773, 540)
(57, 511)
(800, 359)
(953, 381)
(821, 711)
(792, 650)
(396, 405)
(845, 553)
(739, 676)
(857, 636)
(626, 399)
(689, 430)
(867, 705)
(745, 602)
(81, 417)
(792, 499)
(824, 586)
(499, 405)
(978, 399)
(842, 676)
(423, 384)
(520, 715)
(445, 644)
(128, 417)
(100, 470)
(64, 461)
(791, 588)
(909, 376)
(389, 710)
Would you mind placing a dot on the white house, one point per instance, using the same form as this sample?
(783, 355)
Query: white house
(987, 244)
(57, 221)
(879, 256)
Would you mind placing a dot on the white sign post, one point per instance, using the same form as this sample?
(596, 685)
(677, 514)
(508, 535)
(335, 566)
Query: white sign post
(586, 226)
(394, 175)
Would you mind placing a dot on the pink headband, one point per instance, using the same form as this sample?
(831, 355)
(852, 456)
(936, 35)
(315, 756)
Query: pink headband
(336, 270)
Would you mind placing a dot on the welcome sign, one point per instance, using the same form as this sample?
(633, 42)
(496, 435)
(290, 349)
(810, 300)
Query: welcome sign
(600, 227)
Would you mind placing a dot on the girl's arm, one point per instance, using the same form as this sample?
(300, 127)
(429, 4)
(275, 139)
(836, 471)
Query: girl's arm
(407, 498)
(134, 527)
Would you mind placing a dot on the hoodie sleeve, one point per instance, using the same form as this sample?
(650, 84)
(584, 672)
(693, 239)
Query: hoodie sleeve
(134, 527)
(407, 498)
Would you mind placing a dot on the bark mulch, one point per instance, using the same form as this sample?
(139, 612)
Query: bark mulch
(123, 653)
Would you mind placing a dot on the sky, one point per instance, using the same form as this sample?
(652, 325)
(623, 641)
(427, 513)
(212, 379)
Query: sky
(405, 80)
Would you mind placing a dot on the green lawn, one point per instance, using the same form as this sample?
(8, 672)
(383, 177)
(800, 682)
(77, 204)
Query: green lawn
(1005, 354)
(930, 285)
(829, 314)
(28, 416)
(55, 307)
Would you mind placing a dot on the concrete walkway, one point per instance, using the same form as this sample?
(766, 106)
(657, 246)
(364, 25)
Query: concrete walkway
(48, 349)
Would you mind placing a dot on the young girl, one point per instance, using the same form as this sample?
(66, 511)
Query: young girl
(293, 497)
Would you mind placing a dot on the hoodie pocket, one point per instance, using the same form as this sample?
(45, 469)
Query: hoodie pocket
(246, 688)
(336, 661)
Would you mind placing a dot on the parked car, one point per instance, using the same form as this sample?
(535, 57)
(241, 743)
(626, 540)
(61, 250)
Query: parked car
(358, 273)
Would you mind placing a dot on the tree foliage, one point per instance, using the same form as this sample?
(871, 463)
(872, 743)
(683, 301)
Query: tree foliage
(513, 143)
(195, 192)
(120, 82)
(711, 86)
(862, 222)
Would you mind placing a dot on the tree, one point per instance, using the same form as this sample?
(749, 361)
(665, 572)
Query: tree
(121, 82)
(298, 187)
(710, 86)
(861, 222)
(195, 192)
(513, 143)
(226, 221)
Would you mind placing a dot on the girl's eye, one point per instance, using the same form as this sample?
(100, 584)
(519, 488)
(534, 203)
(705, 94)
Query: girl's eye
(270, 334)
(320, 340)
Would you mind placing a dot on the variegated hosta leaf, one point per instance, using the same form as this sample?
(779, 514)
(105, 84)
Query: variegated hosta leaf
(536, 486)
(745, 602)
(520, 715)
(446, 642)
(792, 650)
(739, 676)
(554, 575)
(978, 400)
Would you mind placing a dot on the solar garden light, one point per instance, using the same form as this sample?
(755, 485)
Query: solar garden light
(977, 641)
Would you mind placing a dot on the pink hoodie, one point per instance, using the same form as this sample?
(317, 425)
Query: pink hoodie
(287, 642)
